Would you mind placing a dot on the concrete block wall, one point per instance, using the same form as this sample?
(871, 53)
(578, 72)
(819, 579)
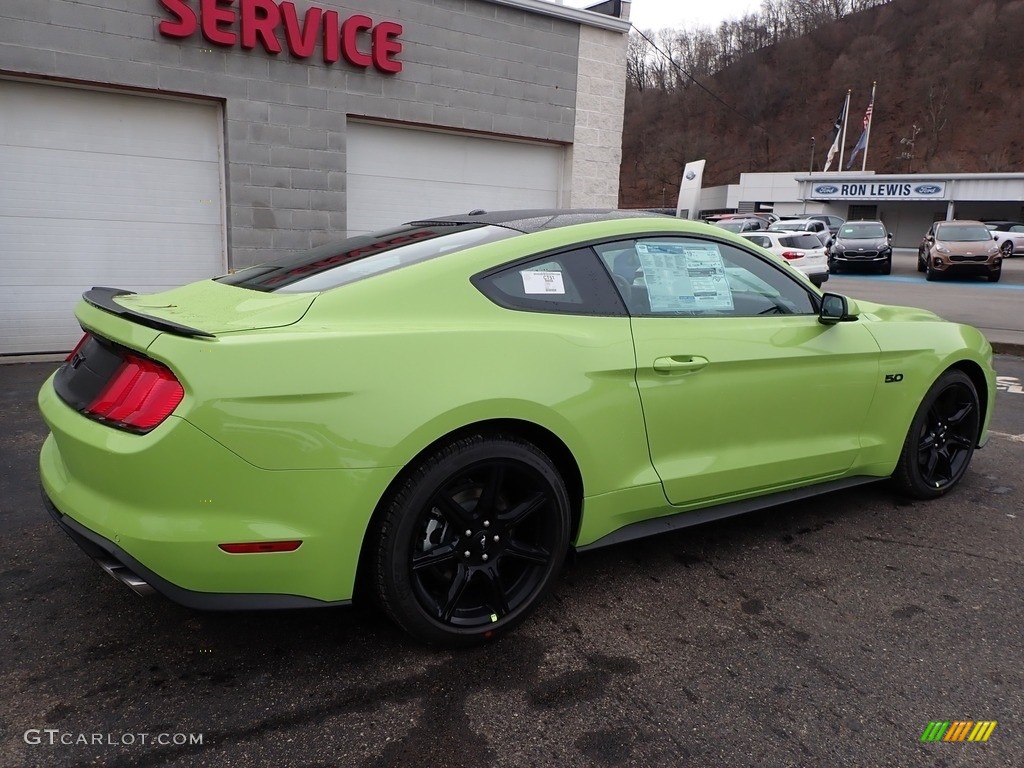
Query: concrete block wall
(468, 64)
(600, 101)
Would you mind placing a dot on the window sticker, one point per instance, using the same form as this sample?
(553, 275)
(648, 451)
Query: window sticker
(687, 277)
(542, 281)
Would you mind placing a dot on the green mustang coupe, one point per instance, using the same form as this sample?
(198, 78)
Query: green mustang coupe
(437, 414)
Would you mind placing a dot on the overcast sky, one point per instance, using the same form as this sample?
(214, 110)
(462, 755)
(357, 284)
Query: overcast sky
(681, 14)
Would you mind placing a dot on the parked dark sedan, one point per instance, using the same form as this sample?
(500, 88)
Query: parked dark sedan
(864, 243)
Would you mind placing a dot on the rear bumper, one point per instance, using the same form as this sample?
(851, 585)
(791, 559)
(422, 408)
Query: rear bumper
(126, 569)
(153, 509)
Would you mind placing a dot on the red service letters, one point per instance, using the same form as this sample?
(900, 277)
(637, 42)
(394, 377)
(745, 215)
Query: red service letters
(260, 22)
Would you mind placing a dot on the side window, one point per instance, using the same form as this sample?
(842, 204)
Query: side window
(568, 283)
(761, 240)
(1017, 228)
(681, 277)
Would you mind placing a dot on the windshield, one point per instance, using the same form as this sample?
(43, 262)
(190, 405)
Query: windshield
(862, 231)
(346, 261)
(962, 233)
(791, 226)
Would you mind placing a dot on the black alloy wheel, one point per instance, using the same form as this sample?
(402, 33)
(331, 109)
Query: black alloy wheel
(941, 439)
(472, 540)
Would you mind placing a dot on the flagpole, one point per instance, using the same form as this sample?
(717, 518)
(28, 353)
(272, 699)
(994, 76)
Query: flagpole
(842, 143)
(867, 139)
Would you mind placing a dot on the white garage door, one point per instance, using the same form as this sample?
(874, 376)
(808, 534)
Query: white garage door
(399, 174)
(102, 189)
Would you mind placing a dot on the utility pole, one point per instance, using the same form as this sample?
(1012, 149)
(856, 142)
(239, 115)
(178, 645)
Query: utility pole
(908, 144)
(810, 171)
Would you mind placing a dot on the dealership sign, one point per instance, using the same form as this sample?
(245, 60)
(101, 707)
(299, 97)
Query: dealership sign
(879, 190)
(250, 23)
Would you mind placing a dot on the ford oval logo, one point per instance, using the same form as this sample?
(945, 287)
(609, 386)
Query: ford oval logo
(927, 189)
(826, 189)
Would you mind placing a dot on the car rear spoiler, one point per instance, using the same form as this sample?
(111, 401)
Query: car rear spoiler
(103, 298)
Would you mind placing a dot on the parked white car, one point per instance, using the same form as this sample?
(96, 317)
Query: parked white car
(818, 227)
(1009, 235)
(801, 249)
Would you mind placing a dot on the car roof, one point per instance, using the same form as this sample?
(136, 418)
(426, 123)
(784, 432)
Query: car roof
(535, 220)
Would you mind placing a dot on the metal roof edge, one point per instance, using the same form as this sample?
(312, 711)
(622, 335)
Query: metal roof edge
(847, 176)
(578, 15)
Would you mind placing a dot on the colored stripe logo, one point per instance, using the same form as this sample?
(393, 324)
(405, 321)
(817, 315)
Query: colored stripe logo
(958, 730)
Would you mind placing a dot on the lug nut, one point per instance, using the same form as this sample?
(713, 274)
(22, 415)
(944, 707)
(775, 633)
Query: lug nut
(487, 523)
(497, 538)
(483, 557)
(466, 553)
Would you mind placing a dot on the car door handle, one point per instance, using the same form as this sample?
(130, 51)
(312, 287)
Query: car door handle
(679, 364)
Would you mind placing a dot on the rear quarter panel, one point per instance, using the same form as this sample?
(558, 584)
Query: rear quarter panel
(380, 369)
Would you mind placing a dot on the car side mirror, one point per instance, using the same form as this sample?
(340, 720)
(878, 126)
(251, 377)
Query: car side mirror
(995, 237)
(889, 235)
(837, 309)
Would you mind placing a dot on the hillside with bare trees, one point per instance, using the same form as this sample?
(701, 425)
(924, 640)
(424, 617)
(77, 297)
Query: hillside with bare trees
(750, 95)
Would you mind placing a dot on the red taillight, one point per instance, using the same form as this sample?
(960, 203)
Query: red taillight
(78, 346)
(255, 547)
(791, 255)
(140, 396)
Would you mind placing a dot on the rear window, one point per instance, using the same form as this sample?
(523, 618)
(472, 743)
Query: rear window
(354, 258)
(807, 242)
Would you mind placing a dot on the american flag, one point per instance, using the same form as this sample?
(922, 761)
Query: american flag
(867, 116)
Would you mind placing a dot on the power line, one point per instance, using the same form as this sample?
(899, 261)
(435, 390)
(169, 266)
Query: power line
(751, 121)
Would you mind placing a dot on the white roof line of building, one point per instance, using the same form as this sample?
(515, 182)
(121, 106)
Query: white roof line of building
(851, 175)
(579, 15)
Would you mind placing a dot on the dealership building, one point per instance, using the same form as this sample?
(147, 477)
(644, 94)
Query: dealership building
(149, 143)
(906, 203)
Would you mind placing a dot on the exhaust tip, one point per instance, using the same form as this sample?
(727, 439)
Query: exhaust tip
(123, 574)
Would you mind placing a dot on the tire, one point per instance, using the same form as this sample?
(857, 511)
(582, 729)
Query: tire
(930, 273)
(834, 267)
(468, 544)
(1007, 248)
(886, 268)
(920, 262)
(993, 277)
(941, 439)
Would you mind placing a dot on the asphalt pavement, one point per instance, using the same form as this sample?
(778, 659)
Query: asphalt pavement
(994, 308)
(829, 632)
